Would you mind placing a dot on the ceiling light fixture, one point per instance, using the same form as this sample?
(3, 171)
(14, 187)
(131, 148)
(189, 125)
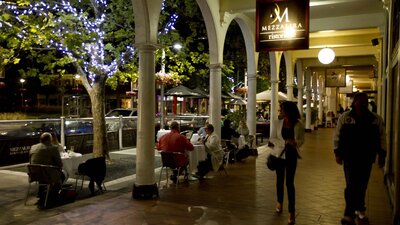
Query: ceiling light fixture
(326, 55)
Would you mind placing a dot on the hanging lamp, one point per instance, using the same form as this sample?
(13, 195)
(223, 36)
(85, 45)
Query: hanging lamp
(326, 55)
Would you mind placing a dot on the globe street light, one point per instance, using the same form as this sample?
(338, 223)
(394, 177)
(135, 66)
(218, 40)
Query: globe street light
(22, 81)
(178, 47)
(77, 102)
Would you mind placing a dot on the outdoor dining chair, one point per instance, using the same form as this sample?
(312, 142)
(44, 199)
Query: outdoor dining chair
(45, 175)
(169, 161)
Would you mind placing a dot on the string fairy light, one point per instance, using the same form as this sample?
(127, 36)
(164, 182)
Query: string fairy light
(92, 52)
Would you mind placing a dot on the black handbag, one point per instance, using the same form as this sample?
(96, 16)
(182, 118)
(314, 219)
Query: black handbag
(273, 162)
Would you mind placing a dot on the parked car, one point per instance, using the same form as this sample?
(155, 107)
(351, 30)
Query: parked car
(78, 127)
(112, 122)
(27, 130)
(122, 112)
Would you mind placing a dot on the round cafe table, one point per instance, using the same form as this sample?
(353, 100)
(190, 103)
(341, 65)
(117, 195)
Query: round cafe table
(197, 155)
(71, 161)
(195, 138)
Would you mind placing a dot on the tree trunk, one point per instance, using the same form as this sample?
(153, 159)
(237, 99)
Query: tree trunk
(97, 98)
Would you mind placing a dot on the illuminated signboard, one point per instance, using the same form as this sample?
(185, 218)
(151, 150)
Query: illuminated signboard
(282, 25)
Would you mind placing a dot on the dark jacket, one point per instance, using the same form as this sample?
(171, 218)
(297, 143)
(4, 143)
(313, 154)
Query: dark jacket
(358, 140)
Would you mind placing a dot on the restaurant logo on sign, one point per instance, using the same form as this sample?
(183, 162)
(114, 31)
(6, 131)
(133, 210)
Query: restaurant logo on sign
(282, 25)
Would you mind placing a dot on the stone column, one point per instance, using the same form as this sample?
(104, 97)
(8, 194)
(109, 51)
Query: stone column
(251, 103)
(289, 76)
(308, 95)
(315, 96)
(215, 97)
(321, 87)
(299, 68)
(145, 185)
(331, 95)
(275, 58)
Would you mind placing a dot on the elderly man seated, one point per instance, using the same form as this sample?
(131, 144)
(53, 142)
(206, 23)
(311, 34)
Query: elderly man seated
(175, 142)
(47, 154)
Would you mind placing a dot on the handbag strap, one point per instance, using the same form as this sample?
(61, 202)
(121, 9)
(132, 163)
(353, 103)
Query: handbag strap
(283, 151)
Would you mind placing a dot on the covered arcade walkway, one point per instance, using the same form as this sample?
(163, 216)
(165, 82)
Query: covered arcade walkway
(245, 196)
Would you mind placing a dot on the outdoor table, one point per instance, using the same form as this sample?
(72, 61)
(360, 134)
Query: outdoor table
(71, 161)
(197, 155)
(195, 138)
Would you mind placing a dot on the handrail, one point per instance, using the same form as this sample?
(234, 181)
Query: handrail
(61, 125)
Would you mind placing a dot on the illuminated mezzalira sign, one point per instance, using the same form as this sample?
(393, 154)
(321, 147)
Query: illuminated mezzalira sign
(282, 25)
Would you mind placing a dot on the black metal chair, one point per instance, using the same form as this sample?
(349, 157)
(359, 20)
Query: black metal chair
(46, 176)
(95, 169)
(169, 160)
(230, 149)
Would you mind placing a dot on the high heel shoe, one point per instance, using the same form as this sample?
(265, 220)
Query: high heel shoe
(278, 207)
(291, 219)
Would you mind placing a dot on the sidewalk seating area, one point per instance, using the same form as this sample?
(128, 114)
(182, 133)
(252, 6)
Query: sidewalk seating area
(245, 196)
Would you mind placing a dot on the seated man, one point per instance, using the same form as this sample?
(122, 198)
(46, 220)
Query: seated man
(212, 145)
(175, 142)
(202, 131)
(47, 154)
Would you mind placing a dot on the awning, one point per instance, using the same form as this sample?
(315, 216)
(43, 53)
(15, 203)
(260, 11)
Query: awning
(182, 91)
(200, 91)
(227, 95)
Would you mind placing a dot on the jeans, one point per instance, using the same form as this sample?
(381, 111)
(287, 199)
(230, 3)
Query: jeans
(204, 166)
(289, 166)
(357, 177)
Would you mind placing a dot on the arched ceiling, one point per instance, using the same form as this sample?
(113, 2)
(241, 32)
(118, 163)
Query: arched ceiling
(347, 26)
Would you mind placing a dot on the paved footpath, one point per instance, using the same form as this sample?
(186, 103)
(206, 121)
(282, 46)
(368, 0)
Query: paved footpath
(245, 196)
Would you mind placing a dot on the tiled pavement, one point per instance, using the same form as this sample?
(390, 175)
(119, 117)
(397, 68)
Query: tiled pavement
(245, 196)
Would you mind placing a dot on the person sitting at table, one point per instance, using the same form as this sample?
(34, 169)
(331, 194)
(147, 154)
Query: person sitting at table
(55, 142)
(243, 150)
(175, 142)
(228, 133)
(46, 153)
(202, 131)
(243, 130)
(212, 145)
(260, 118)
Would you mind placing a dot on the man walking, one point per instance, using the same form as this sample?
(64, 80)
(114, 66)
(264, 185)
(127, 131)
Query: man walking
(360, 136)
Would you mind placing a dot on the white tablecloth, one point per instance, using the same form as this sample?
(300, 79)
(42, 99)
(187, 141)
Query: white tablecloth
(161, 133)
(195, 156)
(195, 138)
(71, 163)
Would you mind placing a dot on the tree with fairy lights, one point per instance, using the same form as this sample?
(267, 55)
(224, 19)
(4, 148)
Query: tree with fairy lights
(78, 34)
(94, 37)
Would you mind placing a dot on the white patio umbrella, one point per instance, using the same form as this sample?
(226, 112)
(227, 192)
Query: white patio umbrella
(266, 96)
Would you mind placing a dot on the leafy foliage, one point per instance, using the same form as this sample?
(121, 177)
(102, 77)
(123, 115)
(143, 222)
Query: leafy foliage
(55, 34)
(237, 116)
(190, 63)
(264, 74)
